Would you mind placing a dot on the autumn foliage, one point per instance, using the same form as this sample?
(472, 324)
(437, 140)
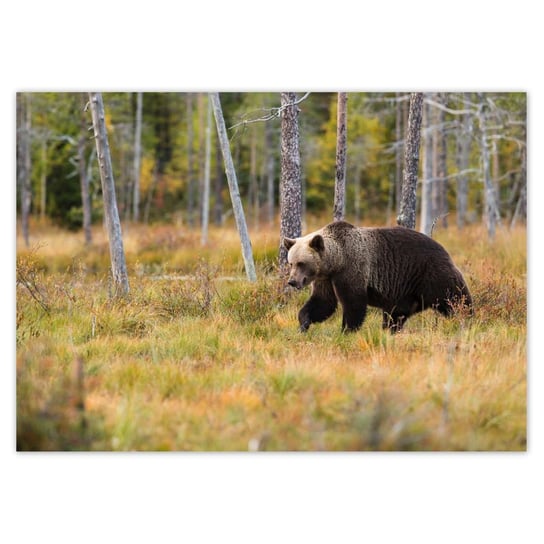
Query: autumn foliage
(200, 359)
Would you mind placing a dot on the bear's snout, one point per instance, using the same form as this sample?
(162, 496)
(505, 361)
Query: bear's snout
(294, 283)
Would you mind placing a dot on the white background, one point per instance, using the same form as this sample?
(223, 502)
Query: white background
(276, 498)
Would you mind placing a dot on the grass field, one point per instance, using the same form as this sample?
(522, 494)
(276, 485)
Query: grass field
(200, 359)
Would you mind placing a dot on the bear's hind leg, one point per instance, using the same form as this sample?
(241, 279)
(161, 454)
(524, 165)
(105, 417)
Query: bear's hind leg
(320, 306)
(395, 319)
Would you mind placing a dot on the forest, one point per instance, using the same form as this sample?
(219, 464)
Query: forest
(194, 357)
(158, 148)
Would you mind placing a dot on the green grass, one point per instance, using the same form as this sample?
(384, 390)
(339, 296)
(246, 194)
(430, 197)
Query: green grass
(200, 359)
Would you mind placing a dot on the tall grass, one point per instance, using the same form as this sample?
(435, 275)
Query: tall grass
(200, 359)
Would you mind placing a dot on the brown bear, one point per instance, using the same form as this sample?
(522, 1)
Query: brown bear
(398, 270)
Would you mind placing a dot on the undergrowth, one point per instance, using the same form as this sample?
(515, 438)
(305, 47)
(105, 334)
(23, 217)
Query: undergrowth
(200, 359)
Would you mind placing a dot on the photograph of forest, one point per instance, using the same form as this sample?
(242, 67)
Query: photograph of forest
(153, 309)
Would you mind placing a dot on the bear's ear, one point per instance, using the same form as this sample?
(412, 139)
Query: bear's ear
(288, 242)
(317, 243)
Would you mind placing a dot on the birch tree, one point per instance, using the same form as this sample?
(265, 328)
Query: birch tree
(521, 206)
(238, 209)
(24, 159)
(84, 180)
(440, 183)
(207, 163)
(290, 178)
(269, 172)
(137, 158)
(491, 211)
(190, 178)
(464, 138)
(341, 138)
(407, 213)
(111, 213)
(218, 187)
(426, 183)
(398, 149)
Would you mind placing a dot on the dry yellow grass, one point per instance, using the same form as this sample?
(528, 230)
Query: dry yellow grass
(209, 364)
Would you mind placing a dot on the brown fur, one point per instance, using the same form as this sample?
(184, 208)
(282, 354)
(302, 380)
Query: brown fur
(396, 269)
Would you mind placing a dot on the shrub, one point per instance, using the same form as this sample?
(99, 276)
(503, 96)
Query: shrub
(252, 302)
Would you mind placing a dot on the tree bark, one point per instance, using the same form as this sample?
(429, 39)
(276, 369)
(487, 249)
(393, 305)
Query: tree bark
(398, 151)
(269, 172)
(137, 158)
(190, 178)
(238, 209)
(253, 181)
(290, 180)
(24, 160)
(84, 181)
(491, 212)
(407, 214)
(111, 213)
(43, 181)
(440, 183)
(218, 187)
(427, 181)
(201, 159)
(464, 138)
(521, 206)
(207, 163)
(340, 181)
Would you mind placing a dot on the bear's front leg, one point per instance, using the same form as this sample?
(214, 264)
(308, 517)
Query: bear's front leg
(354, 303)
(320, 306)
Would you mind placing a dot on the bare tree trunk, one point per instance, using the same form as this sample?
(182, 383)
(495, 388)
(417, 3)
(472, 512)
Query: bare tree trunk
(491, 212)
(464, 140)
(43, 181)
(218, 187)
(407, 214)
(441, 183)
(253, 182)
(426, 187)
(137, 158)
(207, 163)
(201, 151)
(84, 181)
(190, 178)
(521, 206)
(24, 160)
(123, 181)
(341, 137)
(111, 214)
(269, 172)
(290, 181)
(237, 207)
(398, 152)
(151, 191)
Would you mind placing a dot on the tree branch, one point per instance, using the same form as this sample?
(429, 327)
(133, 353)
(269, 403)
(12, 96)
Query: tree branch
(273, 113)
(431, 102)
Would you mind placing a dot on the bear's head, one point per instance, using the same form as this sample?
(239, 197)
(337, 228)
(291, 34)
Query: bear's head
(305, 259)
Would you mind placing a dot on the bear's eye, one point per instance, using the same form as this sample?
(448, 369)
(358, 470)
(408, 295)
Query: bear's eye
(301, 265)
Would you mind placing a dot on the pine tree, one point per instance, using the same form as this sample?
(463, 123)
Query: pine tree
(290, 181)
(407, 214)
(341, 145)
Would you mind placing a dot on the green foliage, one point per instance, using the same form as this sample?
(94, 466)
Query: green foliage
(166, 182)
(367, 136)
